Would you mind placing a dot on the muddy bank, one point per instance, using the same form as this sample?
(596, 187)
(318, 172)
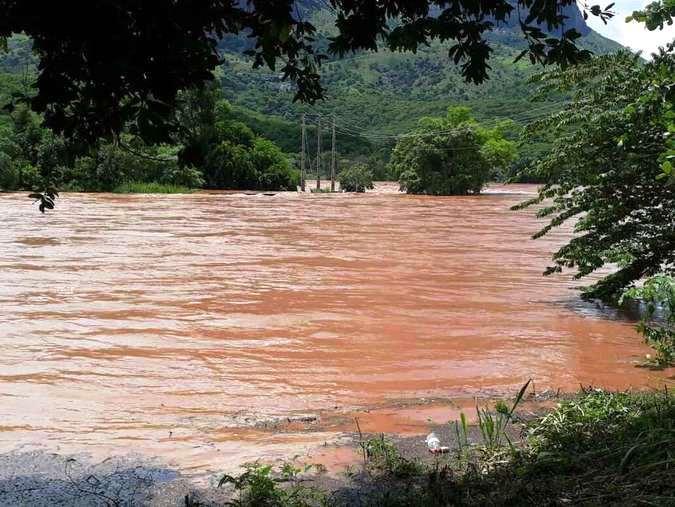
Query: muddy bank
(344, 473)
(40, 478)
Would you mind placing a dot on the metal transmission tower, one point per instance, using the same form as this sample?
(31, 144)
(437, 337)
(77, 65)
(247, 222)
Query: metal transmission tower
(318, 154)
(302, 156)
(333, 153)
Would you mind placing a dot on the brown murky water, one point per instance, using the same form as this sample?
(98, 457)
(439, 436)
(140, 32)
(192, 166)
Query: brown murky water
(168, 325)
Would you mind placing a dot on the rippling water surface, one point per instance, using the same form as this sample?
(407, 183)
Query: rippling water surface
(162, 324)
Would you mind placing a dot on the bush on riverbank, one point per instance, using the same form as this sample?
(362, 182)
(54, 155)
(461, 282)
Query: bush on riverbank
(598, 448)
(658, 295)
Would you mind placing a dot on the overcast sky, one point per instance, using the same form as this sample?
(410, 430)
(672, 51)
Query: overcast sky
(632, 35)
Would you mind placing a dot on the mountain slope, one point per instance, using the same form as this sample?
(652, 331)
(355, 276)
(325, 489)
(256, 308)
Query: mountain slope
(378, 95)
(373, 96)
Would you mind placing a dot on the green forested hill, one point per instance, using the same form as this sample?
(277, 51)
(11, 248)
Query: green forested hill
(373, 96)
(378, 95)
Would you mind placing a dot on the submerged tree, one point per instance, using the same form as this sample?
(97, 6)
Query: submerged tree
(608, 171)
(357, 178)
(453, 155)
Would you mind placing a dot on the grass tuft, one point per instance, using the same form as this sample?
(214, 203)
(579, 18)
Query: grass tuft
(598, 448)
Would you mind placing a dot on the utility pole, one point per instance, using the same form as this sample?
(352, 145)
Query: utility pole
(332, 161)
(302, 156)
(318, 154)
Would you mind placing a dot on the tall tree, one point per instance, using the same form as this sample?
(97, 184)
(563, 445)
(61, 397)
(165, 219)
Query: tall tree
(451, 155)
(608, 171)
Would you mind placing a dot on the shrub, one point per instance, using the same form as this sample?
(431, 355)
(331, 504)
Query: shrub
(357, 178)
(273, 167)
(658, 294)
(383, 456)
(228, 165)
(183, 176)
(262, 486)
(29, 176)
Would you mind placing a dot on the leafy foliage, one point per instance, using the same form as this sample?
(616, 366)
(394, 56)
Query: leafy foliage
(655, 15)
(383, 456)
(450, 156)
(357, 178)
(212, 149)
(596, 448)
(46, 199)
(228, 152)
(658, 294)
(605, 170)
(108, 66)
(262, 486)
(603, 446)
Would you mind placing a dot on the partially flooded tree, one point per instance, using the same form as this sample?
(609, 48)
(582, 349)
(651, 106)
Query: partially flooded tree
(451, 155)
(357, 178)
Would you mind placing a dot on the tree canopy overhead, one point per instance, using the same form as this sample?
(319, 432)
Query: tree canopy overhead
(109, 65)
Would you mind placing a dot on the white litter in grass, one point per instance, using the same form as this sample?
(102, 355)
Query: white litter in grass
(434, 444)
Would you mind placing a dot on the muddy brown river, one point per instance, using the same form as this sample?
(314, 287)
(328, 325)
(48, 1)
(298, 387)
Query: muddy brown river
(179, 326)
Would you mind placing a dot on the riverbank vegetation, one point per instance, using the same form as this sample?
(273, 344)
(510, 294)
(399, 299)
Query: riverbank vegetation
(609, 170)
(213, 150)
(596, 448)
(657, 296)
(150, 188)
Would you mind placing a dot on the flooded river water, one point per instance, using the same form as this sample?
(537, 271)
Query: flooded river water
(171, 325)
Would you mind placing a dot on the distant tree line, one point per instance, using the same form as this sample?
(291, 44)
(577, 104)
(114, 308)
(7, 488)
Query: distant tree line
(211, 150)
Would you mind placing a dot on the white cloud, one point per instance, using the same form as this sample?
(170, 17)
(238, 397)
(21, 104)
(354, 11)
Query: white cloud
(633, 35)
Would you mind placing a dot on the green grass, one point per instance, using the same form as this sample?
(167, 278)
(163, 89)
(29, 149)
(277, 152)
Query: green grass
(150, 188)
(598, 448)
(262, 485)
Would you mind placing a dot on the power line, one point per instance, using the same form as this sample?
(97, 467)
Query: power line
(524, 116)
(350, 130)
(414, 134)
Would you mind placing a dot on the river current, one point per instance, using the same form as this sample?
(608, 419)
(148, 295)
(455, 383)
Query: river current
(173, 325)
